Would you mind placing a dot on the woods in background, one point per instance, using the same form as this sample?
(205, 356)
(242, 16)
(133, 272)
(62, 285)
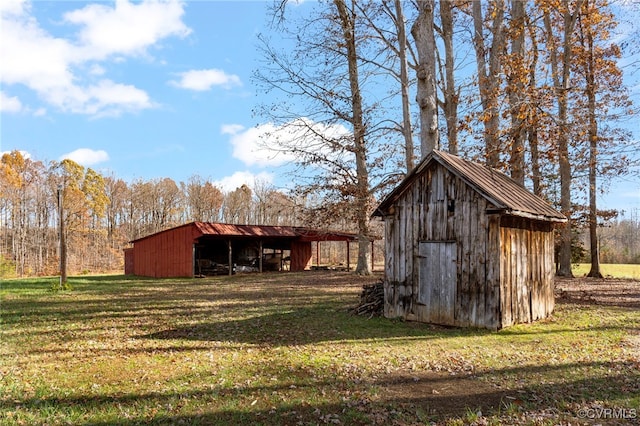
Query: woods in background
(102, 214)
(362, 90)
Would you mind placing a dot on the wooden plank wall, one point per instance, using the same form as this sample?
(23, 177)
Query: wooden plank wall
(526, 270)
(424, 213)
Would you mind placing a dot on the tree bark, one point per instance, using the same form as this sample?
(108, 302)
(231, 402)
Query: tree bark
(561, 86)
(489, 75)
(517, 91)
(594, 272)
(347, 22)
(450, 95)
(427, 97)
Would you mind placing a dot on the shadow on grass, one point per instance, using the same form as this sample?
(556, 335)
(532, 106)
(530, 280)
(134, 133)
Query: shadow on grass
(301, 326)
(387, 399)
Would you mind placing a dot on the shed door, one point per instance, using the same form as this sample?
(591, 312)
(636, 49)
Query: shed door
(437, 280)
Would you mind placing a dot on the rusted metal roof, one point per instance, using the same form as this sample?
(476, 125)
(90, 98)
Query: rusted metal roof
(212, 229)
(230, 230)
(499, 189)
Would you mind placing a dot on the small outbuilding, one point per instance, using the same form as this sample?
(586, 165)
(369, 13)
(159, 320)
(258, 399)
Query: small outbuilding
(467, 246)
(205, 248)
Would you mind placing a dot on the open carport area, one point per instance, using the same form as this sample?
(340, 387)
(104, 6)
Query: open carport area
(205, 248)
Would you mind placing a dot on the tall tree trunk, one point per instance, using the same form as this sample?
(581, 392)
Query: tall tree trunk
(404, 87)
(516, 78)
(427, 97)
(532, 114)
(593, 152)
(489, 75)
(561, 71)
(450, 94)
(347, 22)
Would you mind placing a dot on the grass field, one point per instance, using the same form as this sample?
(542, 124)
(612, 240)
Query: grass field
(283, 349)
(609, 270)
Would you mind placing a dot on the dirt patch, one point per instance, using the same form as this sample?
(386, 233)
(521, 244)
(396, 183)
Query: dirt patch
(594, 291)
(442, 395)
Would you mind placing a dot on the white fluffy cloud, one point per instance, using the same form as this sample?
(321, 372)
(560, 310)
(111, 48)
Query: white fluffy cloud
(270, 145)
(9, 103)
(87, 157)
(203, 80)
(236, 180)
(63, 71)
(127, 28)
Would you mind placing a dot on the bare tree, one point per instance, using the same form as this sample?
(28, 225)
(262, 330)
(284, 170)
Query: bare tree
(489, 68)
(423, 34)
(561, 57)
(338, 138)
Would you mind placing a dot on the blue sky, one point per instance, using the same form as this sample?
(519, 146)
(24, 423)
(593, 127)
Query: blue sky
(146, 90)
(137, 90)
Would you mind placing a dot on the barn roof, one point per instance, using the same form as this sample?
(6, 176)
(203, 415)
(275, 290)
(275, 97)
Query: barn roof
(214, 229)
(499, 189)
(230, 230)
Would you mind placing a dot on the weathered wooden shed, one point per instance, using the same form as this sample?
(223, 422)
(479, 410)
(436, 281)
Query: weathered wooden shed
(202, 248)
(465, 245)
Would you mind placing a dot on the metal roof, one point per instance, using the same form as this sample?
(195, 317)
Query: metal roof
(499, 189)
(230, 230)
(260, 231)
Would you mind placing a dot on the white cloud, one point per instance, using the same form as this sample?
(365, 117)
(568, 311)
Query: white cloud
(231, 129)
(203, 80)
(270, 145)
(12, 7)
(97, 70)
(9, 103)
(248, 148)
(65, 72)
(128, 28)
(107, 94)
(86, 156)
(236, 180)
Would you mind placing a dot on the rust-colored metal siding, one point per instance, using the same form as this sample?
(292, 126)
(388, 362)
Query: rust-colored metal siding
(166, 254)
(301, 254)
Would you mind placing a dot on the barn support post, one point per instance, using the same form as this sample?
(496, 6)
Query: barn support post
(372, 256)
(193, 261)
(318, 254)
(348, 260)
(230, 258)
(260, 248)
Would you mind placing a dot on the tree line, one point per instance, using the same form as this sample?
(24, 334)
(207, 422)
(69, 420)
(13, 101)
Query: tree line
(529, 87)
(102, 214)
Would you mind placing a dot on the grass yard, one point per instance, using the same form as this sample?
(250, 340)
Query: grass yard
(283, 349)
(609, 270)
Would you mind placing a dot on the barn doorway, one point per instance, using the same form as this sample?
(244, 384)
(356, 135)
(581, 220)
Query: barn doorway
(437, 280)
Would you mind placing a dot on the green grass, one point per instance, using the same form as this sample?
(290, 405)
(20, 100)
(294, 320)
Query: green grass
(609, 270)
(284, 349)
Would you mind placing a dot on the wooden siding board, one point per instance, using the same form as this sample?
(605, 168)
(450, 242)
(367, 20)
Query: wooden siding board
(505, 277)
(480, 246)
(493, 310)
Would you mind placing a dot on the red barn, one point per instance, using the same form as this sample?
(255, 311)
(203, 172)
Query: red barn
(203, 248)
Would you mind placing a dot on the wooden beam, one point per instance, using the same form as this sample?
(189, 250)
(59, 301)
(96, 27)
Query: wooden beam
(230, 259)
(348, 262)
